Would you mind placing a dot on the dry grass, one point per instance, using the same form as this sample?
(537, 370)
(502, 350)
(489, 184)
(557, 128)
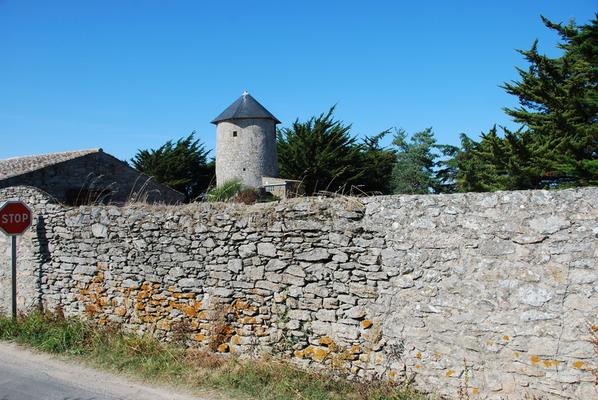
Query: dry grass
(262, 378)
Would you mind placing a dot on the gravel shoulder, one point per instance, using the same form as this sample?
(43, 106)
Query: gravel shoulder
(25, 374)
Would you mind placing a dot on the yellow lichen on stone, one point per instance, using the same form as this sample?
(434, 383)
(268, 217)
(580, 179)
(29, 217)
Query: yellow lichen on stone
(319, 354)
(534, 359)
(506, 338)
(199, 337)
(120, 311)
(223, 348)
(355, 349)
(236, 339)
(299, 353)
(418, 355)
(248, 320)
(418, 366)
(366, 324)
(578, 364)
(550, 363)
(450, 373)
(517, 354)
(326, 340)
(475, 390)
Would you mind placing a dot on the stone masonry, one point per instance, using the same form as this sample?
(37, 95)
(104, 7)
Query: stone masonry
(492, 294)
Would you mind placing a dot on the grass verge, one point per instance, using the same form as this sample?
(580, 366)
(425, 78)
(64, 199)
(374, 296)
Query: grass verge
(145, 357)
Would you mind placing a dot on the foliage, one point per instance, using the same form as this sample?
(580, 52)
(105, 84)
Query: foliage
(181, 165)
(415, 170)
(321, 153)
(145, 357)
(377, 163)
(557, 144)
(224, 192)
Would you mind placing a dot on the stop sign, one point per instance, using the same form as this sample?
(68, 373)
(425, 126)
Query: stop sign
(15, 217)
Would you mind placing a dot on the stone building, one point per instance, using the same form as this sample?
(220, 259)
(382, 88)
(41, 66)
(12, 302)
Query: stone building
(85, 177)
(246, 143)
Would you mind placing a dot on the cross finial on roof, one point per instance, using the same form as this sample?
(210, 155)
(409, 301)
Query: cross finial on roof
(245, 92)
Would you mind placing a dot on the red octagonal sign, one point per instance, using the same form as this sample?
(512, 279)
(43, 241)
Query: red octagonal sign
(15, 217)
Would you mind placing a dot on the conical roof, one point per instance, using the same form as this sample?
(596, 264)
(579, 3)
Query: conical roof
(245, 107)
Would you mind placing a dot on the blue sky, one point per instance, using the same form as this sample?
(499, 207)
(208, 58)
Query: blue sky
(128, 75)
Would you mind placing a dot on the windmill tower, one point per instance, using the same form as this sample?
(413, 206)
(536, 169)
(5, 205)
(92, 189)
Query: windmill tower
(246, 143)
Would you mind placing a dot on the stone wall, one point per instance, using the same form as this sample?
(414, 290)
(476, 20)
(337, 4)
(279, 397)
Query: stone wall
(491, 294)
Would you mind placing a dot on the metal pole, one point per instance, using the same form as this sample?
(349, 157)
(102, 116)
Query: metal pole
(14, 277)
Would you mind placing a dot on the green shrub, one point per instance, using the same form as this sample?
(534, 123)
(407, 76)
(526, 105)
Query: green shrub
(224, 192)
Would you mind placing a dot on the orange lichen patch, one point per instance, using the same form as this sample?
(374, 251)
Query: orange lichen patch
(418, 355)
(120, 311)
(534, 359)
(188, 310)
(450, 373)
(164, 325)
(326, 340)
(91, 309)
(319, 354)
(236, 339)
(355, 349)
(199, 337)
(366, 324)
(299, 353)
(418, 366)
(595, 328)
(202, 315)
(103, 301)
(506, 338)
(578, 364)
(183, 295)
(316, 353)
(143, 294)
(197, 305)
(248, 320)
(223, 348)
(550, 363)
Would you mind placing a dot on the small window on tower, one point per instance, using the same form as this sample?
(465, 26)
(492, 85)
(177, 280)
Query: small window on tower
(243, 169)
(234, 133)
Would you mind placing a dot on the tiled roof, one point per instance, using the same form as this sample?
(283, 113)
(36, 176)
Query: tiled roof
(15, 166)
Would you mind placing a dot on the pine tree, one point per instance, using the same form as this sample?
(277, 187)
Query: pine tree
(321, 153)
(558, 109)
(414, 170)
(182, 166)
(378, 163)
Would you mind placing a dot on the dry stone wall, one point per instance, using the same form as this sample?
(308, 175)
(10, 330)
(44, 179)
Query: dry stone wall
(493, 295)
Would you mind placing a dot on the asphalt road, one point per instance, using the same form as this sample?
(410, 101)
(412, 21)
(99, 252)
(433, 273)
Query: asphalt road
(27, 375)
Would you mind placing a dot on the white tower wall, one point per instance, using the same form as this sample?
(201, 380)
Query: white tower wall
(250, 154)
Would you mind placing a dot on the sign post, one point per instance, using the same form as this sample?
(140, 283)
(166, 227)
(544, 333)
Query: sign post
(15, 218)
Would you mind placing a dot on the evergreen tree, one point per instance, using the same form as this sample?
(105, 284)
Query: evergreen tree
(321, 153)
(414, 171)
(557, 143)
(558, 108)
(377, 162)
(182, 166)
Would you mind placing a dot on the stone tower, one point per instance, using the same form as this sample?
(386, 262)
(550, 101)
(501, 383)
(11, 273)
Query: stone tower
(246, 143)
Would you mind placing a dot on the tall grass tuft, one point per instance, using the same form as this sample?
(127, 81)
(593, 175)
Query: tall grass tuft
(224, 192)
